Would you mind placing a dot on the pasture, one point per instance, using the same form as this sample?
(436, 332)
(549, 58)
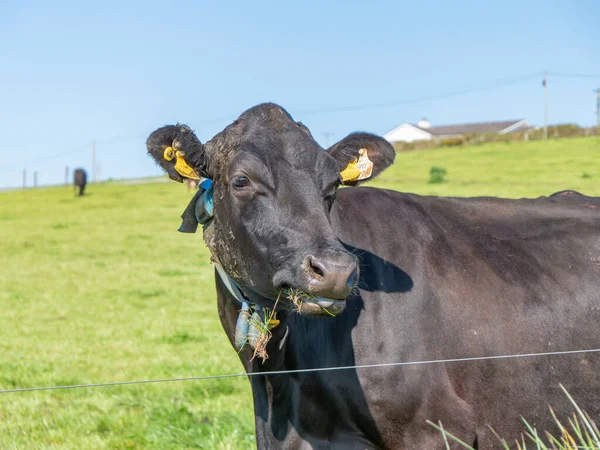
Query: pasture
(103, 288)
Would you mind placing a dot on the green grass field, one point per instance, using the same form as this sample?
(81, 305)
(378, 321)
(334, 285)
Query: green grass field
(103, 288)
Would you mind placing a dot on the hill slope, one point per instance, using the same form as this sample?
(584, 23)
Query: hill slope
(515, 169)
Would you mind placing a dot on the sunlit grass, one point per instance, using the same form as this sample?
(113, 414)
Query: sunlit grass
(516, 169)
(103, 288)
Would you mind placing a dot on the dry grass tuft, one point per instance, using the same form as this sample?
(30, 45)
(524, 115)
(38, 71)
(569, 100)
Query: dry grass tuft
(260, 336)
(581, 433)
(261, 323)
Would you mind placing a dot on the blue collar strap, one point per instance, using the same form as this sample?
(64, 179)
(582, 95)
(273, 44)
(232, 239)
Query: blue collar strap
(204, 204)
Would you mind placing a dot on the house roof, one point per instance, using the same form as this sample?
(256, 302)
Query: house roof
(481, 127)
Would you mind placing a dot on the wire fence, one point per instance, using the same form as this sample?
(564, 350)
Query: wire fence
(299, 371)
(485, 86)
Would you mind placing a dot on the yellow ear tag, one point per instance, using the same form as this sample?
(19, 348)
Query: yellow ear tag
(169, 154)
(180, 165)
(184, 170)
(351, 172)
(358, 169)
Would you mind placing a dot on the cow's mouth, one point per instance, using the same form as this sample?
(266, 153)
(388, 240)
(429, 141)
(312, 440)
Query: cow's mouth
(312, 306)
(323, 307)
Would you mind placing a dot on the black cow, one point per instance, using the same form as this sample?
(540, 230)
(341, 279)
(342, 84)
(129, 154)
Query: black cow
(439, 278)
(79, 180)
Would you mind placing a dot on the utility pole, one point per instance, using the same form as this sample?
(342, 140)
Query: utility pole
(24, 178)
(35, 179)
(545, 84)
(597, 91)
(326, 135)
(94, 160)
(66, 175)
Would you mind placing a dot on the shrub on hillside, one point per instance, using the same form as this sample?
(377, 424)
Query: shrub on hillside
(451, 142)
(415, 145)
(437, 175)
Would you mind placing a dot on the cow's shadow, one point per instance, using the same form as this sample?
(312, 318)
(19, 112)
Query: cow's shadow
(326, 405)
(379, 275)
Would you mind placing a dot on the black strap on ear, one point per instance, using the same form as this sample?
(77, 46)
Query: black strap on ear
(190, 223)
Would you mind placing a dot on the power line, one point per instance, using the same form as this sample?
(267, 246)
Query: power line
(597, 91)
(489, 85)
(111, 141)
(574, 75)
(296, 371)
(485, 86)
(121, 139)
(94, 161)
(114, 140)
(57, 155)
(545, 84)
(326, 136)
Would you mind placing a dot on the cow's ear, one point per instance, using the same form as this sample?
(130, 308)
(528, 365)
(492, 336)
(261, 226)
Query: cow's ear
(179, 152)
(361, 157)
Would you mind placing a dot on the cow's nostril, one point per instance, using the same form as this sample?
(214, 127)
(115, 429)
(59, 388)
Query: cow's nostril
(331, 275)
(316, 267)
(353, 278)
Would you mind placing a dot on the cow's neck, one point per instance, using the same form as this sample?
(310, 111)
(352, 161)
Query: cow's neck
(293, 335)
(281, 400)
(254, 317)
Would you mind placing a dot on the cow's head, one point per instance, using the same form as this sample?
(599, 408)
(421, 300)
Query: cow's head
(274, 188)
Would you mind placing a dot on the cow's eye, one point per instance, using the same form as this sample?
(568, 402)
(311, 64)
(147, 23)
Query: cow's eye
(240, 182)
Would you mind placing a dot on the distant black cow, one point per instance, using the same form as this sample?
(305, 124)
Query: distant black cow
(79, 180)
(439, 278)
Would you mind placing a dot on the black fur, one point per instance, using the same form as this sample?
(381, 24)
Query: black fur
(180, 137)
(380, 152)
(79, 180)
(439, 278)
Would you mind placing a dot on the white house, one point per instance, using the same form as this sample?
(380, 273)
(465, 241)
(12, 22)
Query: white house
(423, 131)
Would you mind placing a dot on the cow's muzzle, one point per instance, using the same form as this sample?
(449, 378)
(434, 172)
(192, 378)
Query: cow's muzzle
(331, 276)
(320, 286)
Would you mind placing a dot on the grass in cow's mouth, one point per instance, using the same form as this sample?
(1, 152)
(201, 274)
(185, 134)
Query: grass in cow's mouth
(298, 297)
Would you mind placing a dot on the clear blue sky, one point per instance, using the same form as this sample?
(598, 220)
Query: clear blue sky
(113, 70)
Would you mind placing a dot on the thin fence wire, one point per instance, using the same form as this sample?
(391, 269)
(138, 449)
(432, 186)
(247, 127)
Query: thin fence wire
(297, 371)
